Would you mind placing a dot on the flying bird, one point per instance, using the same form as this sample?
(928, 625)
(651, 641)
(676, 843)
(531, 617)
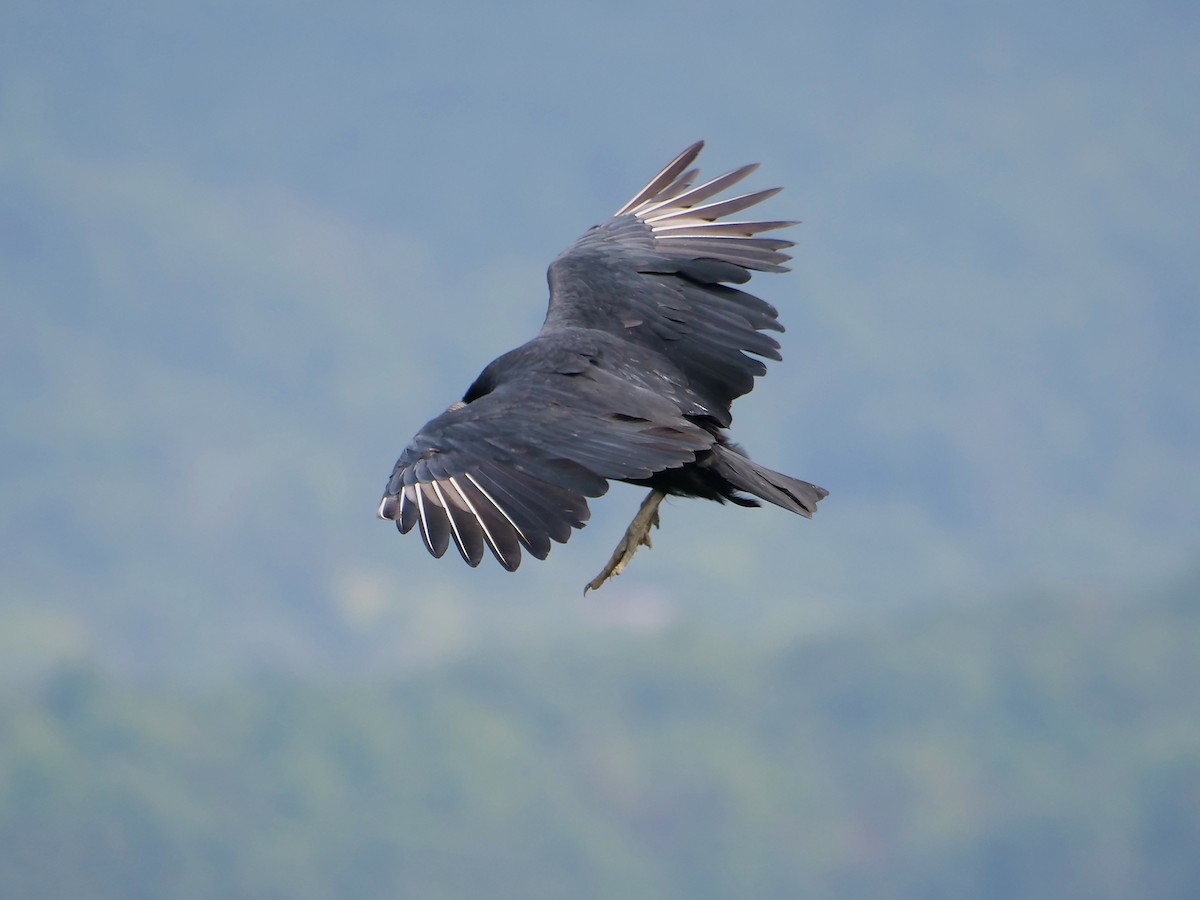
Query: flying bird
(643, 351)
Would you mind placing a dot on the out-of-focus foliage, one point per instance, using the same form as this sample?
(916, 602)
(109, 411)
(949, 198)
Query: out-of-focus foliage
(1043, 748)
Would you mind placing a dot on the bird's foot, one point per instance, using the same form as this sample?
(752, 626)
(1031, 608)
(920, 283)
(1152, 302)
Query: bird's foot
(637, 534)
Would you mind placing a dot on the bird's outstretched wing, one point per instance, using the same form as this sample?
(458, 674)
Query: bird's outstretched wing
(658, 274)
(514, 468)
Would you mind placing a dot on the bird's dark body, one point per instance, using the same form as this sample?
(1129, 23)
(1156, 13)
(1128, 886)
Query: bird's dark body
(698, 479)
(613, 372)
(631, 378)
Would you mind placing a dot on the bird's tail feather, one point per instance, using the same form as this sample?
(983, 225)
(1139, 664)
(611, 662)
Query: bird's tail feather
(782, 490)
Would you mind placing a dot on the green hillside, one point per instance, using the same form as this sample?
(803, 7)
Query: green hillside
(1041, 748)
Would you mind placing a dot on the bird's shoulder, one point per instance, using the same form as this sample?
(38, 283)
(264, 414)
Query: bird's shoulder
(592, 369)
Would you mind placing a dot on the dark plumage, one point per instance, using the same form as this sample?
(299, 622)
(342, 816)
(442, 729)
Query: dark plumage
(631, 378)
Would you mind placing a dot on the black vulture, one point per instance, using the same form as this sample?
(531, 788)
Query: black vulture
(642, 353)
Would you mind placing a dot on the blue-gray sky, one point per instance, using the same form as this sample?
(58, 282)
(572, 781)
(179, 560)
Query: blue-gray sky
(247, 249)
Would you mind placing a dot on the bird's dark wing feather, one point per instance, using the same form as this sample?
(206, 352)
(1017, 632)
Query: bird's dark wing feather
(515, 467)
(658, 274)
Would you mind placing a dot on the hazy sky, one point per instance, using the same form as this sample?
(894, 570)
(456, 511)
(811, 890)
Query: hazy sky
(246, 250)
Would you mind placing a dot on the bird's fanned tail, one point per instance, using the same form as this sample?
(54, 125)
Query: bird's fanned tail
(746, 475)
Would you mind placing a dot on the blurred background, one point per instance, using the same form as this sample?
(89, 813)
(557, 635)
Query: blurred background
(247, 249)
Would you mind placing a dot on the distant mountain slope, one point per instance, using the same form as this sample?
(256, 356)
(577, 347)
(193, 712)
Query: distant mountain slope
(1041, 748)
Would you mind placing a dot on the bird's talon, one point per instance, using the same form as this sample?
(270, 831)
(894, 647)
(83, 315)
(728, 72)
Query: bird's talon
(636, 535)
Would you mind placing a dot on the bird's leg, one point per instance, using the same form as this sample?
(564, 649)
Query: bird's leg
(636, 534)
